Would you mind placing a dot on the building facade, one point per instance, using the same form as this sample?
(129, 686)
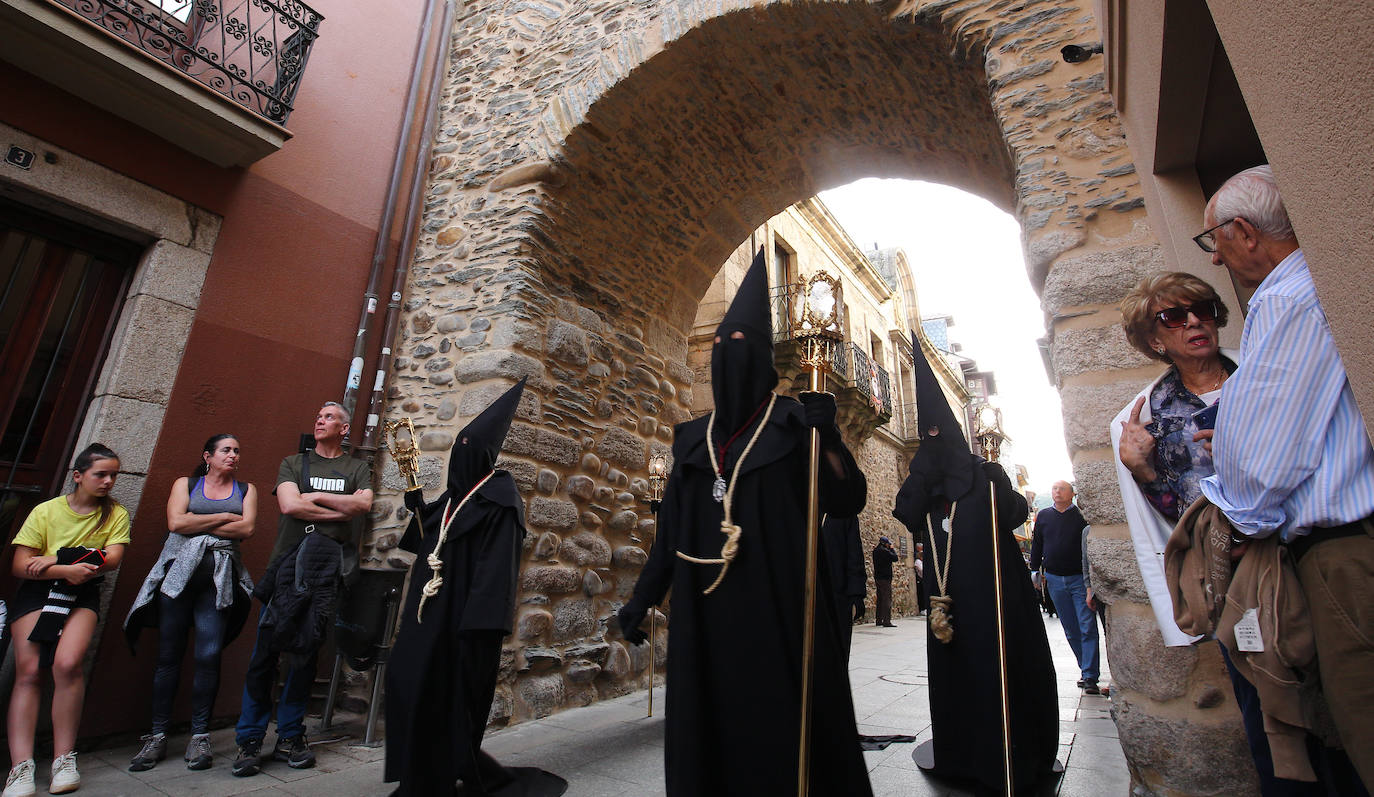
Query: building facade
(189, 205)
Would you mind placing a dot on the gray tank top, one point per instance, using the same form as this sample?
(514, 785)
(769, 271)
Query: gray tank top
(200, 505)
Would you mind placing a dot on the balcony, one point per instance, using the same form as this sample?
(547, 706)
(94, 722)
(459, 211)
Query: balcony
(215, 77)
(862, 388)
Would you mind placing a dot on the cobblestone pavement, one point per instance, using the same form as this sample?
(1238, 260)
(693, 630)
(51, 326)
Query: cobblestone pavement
(611, 748)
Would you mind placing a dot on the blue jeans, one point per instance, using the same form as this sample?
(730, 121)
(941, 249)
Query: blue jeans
(194, 607)
(257, 693)
(1079, 622)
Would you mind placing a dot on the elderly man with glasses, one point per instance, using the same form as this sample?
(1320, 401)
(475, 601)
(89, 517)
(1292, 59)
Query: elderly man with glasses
(1290, 449)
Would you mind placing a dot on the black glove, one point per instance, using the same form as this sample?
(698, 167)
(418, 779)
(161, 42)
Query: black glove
(629, 617)
(820, 412)
(997, 475)
(858, 604)
(414, 500)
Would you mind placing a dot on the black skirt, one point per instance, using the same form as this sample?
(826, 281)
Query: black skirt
(32, 596)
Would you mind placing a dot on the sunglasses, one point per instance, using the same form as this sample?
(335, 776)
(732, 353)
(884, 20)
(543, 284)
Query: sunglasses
(1176, 317)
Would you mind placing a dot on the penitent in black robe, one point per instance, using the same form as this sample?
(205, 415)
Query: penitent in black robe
(843, 557)
(735, 656)
(965, 703)
(442, 675)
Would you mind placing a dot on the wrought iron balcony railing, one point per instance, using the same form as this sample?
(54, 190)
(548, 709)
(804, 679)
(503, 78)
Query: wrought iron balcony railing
(251, 51)
(870, 379)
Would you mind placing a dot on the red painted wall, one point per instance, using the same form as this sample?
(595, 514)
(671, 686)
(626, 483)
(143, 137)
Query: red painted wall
(275, 327)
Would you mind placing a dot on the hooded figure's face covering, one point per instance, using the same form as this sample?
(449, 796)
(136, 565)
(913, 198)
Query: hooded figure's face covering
(742, 376)
(946, 464)
(742, 373)
(479, 444)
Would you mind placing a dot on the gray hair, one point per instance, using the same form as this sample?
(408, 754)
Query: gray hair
(347, 416)
(1254, 196)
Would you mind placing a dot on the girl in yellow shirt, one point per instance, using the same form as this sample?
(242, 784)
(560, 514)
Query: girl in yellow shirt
(67, 596)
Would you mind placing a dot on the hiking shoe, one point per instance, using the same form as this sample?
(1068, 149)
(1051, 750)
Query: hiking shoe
(65, 778)
(198, 752)
(295, 752)
(20, 782)
(154, 750)
(249, 760)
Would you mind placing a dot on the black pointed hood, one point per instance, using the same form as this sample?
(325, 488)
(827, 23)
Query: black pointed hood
(943, 457)
(742, 372)
(479, 443)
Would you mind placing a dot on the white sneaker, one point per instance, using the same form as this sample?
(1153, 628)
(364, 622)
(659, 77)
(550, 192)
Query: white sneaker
(65, 778)
(20, 781)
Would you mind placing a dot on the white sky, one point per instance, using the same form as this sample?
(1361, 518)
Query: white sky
(965, 256)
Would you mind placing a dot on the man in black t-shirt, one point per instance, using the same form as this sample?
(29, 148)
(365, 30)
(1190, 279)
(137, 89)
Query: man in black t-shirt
(323, 495)
(1057, 543)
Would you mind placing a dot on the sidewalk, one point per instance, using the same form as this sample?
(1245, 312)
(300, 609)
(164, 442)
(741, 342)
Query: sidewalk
(610, 748)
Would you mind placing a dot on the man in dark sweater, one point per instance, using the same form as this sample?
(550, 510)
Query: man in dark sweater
(1057, 543)
(883, 557)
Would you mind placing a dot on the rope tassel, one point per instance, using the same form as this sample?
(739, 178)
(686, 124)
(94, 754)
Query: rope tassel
(436, 565)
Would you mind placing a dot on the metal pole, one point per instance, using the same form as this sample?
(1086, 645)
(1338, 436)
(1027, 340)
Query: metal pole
(355, 368)
(809, 614)
(379, 670)
(327, 720)
(1001, 643)
(653, 656)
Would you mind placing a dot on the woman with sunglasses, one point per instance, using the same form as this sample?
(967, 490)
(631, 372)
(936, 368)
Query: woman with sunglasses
(1173, 318)
(1159, 436)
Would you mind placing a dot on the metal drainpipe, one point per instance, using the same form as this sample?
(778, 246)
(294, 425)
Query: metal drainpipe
(355, 368)
(368, 448)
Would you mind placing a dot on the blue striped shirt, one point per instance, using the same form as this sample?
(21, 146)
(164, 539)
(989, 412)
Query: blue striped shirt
(1291, 451)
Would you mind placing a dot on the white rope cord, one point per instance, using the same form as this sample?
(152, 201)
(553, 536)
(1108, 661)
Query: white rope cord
(730, 548)
(436, 565)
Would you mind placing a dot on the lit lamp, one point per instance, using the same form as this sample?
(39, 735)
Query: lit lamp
(817, 329)
(658, 479)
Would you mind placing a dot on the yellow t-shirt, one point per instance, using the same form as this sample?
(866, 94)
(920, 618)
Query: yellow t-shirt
(52, 525)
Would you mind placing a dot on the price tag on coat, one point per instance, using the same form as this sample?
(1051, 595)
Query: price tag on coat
(1248, 639)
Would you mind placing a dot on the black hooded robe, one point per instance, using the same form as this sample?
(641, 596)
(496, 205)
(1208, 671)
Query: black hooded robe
(843, 557)
(965, 702)
(444, 666)
(441, 678)
(733, 707)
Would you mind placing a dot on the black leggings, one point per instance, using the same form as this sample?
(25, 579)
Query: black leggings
(195, 606)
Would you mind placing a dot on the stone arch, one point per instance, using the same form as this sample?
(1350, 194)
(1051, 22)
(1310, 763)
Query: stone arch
(596, 163)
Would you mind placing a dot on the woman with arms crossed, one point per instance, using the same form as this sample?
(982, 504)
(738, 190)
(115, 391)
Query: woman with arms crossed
(198, 582)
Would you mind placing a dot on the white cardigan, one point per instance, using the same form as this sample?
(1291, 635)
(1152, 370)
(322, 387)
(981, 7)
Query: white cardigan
(1149, 530)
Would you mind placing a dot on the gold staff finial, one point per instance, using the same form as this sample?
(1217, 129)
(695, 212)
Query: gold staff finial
(404, 451)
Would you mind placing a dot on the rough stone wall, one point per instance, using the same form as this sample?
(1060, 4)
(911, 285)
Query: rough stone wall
(885, 466)
(596, 162)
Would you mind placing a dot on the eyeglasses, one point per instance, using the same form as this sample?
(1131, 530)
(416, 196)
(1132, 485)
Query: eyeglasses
(1177, 317)
(1207, 240)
